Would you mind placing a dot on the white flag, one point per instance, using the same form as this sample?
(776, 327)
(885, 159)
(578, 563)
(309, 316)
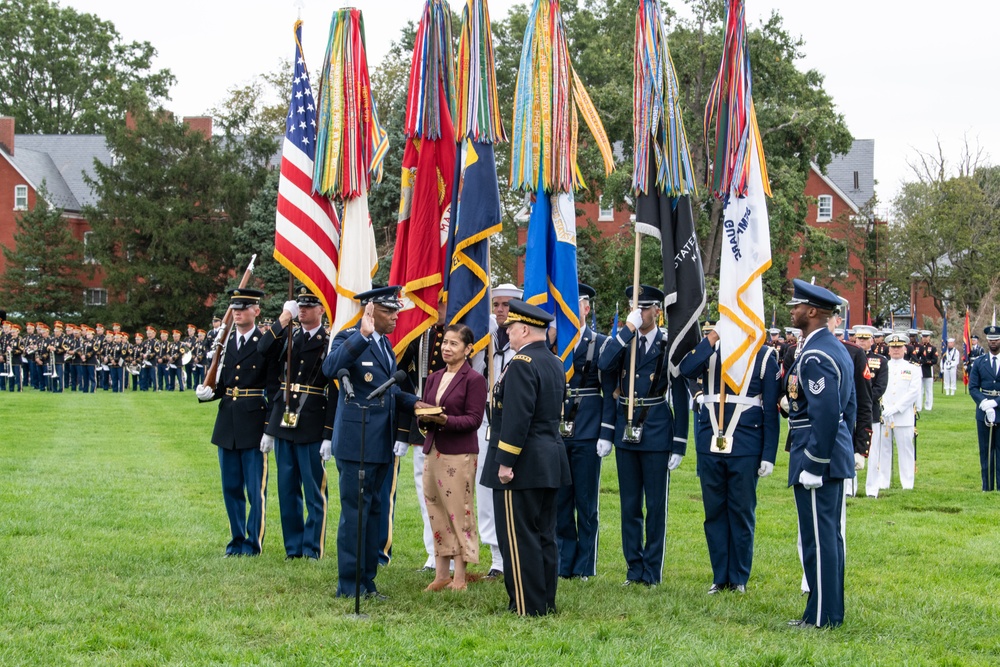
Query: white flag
(746, 255)
(358, 260)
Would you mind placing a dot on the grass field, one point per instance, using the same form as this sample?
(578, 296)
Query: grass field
(112, 530)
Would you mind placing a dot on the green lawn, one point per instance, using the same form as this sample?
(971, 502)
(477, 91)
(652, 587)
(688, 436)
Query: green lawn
(112, 530)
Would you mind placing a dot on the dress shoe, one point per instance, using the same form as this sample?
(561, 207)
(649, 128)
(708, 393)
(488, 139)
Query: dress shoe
(717, 588)
(291, 557)
(740, 588)
(375, 595)
(494, 573)
(799, 624)
(631, 582)
(584, 577)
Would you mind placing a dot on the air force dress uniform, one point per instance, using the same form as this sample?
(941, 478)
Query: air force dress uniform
(370, 362)
(729, 469)
(588, 414)
(821, 416)
(984, 388)
(239, 426)
(299, 429)
(643, 448)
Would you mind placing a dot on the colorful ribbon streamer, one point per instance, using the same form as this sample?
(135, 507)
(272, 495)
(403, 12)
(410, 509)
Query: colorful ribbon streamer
(478, 116)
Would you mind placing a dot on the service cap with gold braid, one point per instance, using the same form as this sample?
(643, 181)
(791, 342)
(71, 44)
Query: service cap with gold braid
(244, 297)
(531, 315)
(383, 296)
(897, 340)
(304, 296)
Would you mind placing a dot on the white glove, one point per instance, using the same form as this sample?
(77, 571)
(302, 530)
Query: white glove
(765, 469)
(700, 399)
(987, 404)
(635, 318)
(293, 308)
(783, 403)
(859, 461)
(991, 416)
(204, 393)
(674, 461)
(603, 447)
(266, 443)
(326, 450)
(809, 480)
(400, 448)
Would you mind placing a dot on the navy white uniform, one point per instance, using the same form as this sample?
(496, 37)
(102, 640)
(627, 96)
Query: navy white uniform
(729, 478)
(588, 414)
(661, 410)
(822, 414)
(984, 388)
(371, 362)
(302, 480)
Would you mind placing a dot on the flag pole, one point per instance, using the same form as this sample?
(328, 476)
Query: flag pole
(289, 418)
(635, 338)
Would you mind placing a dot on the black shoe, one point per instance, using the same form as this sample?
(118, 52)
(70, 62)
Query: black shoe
(717, 588)
(740, 588)
(798, 624)
(494, 574)
(375, 595)
(584, 577)
(632, 582)
(291, 557)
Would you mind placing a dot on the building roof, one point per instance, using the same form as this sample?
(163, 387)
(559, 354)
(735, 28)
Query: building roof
(60, 161)
(860, 159)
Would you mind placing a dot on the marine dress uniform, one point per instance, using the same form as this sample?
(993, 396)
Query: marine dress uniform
(984, 388)
(822, 412)
(370, 362)
(588, 414)
(928, 362)
(729, 470)
(238, 430)
(524, 436)
(299, 428)
(644, 447)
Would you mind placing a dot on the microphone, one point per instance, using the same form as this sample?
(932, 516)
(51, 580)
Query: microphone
(345, 383)
(398, 376)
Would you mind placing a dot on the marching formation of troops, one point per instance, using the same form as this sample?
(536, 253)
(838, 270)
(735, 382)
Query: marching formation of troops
(71, 357)
(849, 397)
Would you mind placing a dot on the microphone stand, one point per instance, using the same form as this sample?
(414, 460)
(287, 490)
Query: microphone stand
(361, 503)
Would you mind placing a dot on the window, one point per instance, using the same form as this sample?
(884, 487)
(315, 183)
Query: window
(95, 296)
(824, 208)
(20, 197)
(602, 212)
(88, 252)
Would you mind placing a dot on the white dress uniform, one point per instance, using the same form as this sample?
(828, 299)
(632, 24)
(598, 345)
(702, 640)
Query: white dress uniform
(949, 367)
(898, 405)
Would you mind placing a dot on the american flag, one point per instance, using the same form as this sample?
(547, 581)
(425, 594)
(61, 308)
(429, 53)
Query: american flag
(307, 231)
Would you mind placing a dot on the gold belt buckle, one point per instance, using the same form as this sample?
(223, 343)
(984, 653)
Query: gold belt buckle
(236, 392)
(295, 387)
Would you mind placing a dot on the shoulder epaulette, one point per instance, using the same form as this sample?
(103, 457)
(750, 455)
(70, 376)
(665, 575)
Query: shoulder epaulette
(521, 357)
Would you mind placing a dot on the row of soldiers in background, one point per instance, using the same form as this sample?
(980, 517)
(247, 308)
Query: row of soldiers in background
(82, 358)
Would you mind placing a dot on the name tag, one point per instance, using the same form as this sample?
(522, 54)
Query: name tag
(367, 363)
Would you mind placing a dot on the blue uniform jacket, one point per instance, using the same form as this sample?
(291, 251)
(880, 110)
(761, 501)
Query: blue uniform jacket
(757, 431)
(595, 413)
(983, 384)
(665, 429)
(368, 369)
(822, 410)
(241, 418)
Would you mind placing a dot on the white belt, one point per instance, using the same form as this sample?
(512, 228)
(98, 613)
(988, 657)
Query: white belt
(753, 401)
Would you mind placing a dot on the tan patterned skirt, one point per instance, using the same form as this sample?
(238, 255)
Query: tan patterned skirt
(450, 492)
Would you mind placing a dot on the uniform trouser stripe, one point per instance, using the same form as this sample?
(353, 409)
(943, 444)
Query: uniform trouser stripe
(819, 569)
(515, 557)
(263, 505)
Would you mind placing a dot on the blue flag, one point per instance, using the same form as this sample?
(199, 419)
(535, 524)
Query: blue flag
(475, 216)
(550, 279)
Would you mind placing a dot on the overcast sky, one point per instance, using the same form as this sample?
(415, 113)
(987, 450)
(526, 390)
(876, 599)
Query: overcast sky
(905, 74)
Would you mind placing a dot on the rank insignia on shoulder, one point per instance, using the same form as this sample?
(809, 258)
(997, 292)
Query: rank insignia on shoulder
(521, 357)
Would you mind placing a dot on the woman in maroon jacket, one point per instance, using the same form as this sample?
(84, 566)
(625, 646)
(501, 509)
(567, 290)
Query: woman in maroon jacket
(452, 448)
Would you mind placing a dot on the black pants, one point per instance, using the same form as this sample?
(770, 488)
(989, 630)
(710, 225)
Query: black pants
(526, 531)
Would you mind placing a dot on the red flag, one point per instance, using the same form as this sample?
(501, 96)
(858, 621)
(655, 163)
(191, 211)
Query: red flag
(967, 341)
(868, 321)
(418, 262)
(307, 232)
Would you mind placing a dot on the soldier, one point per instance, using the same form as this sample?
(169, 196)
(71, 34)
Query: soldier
(878, 343)
(89, 353)
(57, 347)
(775, 340)
(199, 354)
(175, 366)
(975, 352)
(189, 343)
(949, 367)
(878, 370)
(239, 425)
(116, 357)
(822, 412)
(899, 404)
(984, 388)
(587, 428)
(301, 430)
(164, 377)
(928, 361)
(15, 352)
(653, 442)
(731, 461)
(526, 462)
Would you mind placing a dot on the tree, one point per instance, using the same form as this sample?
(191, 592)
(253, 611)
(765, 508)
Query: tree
(163, 227)
(63, 72)
(259, 107)
(42, 279)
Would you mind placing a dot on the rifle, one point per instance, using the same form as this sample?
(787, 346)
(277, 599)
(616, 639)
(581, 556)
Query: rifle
(219, 344)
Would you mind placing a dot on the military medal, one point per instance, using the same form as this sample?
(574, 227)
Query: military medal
(793, 386)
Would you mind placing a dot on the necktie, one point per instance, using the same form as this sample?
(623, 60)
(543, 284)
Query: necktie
(239, 342)
(994, 360)
(642, 349)
(386, 351)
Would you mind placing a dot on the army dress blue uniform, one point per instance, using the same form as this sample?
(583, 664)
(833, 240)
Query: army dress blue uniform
(729, 475)
(984, 388)
(588, 414)
(371, 362)
(302, 479)
(524, 435)
(821, 417)
(661, 410)
(239, 426)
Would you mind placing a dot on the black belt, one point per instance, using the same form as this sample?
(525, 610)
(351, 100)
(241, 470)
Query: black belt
(305, 389)
(236, 392)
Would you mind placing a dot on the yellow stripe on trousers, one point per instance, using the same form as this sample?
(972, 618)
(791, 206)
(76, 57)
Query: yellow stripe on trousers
(263, 504)
(515, 556)
(322, 532)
